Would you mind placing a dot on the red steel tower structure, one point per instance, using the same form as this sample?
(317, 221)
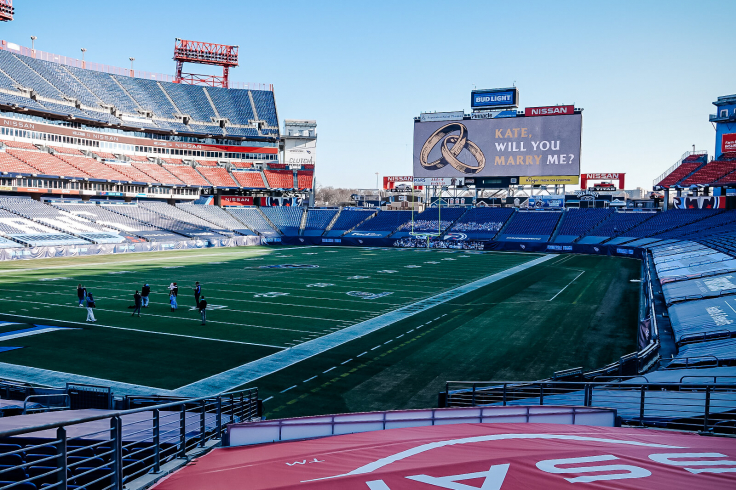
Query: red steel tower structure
(6, 10)
(204, 54)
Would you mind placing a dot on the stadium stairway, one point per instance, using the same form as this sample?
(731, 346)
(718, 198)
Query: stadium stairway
(502, 230)
(303, 223)
(270, 223)
(334, 219)
(558, 226)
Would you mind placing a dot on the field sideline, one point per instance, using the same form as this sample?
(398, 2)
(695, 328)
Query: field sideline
(463, 317)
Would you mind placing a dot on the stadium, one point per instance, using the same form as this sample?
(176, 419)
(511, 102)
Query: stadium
(476, 324)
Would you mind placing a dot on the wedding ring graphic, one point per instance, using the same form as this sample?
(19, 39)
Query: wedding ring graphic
(451, 147)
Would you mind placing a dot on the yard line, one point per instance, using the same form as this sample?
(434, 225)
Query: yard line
(362, 354)
(388, 341)
(333, 367)
(310, 379)
(376, 347)
(152, 332)
(400, 336)
(345, 362)
(287, 389)
(264, 401)
(251, 371)
(568, 284)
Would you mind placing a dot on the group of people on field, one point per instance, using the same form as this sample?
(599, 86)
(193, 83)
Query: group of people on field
(140, 300)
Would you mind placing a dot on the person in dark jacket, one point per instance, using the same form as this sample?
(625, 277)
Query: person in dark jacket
(197, 292)
(90, 304)
(203, 309)
(138, 301)
(145, 291)
(81, 294)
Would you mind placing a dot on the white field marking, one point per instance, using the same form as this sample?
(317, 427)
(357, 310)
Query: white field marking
(175, 317)
(152, 332)
(376, 347)
(362, 354)
(388, 341)
(287, 389)
(345, 362)
(310, 379)
(264, 401)
(112, 264)
(28, 332)
(333, 367)
(398, 337)
(257, 369)
(568, 284)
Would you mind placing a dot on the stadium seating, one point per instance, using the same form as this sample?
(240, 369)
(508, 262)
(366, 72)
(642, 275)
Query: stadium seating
(531, 225)
(144, 213)
(217, 176)
(287, 219)
(253, 219)
(19, 101)
(35, 224)
(710, 173)
(431, 220)
(242, 164)
(578, 222)
(208, 163)
(48, 164)
(157, 173)
(482, 223)
(148, 95)
(669, 220)
(131, 173)
(181, 215)
(24, 76)
(317, 221)
(616, 224)
(382, 224)
(348, 219)
(216, 215)
(63, 80)
(249, 179)
(688, 166)
(304, 180)
(191, 100)
(234, 105)
(105, 88)
(67, 151)
(716, 223)
(266, 107)
(280, 179)
(10, 164)
(94, 168)
(187, 175)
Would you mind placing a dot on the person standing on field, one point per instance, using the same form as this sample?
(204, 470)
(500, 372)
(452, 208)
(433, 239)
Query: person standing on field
(145, 291)
(90, 304)
(197, 292)
(81, 293)
(202, 304)
(138, 301)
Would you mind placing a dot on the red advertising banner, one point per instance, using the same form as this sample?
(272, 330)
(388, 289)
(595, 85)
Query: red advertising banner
(392, 181)
(621, 177)
(236, 201)
(503, 456)
(555, 110)
(728, 142)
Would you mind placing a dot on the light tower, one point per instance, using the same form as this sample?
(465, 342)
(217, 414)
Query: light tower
(6, 10)
(204, 54)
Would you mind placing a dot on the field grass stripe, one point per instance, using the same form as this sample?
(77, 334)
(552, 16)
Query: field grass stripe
(251, 371)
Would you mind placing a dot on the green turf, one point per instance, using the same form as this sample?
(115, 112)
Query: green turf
(517, 328)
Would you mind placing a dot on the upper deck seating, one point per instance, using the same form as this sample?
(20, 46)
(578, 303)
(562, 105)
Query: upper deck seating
(157, 173)
(304, 180)
(48, 164)
(711, 172)
(191, 100)
(280, 179)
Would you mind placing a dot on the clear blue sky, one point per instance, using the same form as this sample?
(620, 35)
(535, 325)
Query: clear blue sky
(645, 72)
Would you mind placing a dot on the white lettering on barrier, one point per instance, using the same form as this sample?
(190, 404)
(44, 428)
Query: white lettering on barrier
(667, 458)
(550, 466)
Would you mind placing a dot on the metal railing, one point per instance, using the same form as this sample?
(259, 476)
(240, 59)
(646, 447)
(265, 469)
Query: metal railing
(677, 164)
(705, 406)
(106, 451)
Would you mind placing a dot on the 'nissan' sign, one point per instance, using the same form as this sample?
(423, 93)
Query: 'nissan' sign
(556, 110)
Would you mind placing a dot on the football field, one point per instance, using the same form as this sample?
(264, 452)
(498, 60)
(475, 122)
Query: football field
(317, 329)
